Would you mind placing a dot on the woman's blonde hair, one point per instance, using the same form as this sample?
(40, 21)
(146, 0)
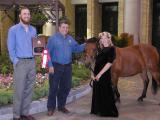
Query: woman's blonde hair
(108, 35)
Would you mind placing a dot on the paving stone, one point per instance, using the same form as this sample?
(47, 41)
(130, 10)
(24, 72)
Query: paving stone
(129, 109)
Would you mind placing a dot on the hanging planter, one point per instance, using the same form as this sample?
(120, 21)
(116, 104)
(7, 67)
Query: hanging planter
(38, 19)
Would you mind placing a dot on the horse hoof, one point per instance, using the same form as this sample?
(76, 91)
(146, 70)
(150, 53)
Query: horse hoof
(140, 99)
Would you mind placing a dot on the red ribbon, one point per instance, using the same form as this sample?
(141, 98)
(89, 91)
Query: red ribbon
(45, 58)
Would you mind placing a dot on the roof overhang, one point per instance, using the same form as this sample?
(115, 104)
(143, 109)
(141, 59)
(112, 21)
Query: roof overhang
(4, 4)
(79, 2)
(107, 1)
(52, 6)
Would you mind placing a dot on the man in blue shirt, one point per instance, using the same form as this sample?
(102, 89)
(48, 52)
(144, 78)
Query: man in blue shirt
(61, 46)
(20, 52)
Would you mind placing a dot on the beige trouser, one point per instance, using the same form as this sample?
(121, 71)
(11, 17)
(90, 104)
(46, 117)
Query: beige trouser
(24, 79)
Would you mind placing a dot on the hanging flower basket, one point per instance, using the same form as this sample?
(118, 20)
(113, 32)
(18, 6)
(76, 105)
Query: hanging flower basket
(38, 19)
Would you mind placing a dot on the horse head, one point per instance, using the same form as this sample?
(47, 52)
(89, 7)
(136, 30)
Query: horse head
(91, 51)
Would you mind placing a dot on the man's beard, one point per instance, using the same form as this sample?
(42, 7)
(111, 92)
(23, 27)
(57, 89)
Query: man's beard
(25, 22)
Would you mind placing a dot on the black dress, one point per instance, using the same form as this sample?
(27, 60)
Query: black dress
(103, 102)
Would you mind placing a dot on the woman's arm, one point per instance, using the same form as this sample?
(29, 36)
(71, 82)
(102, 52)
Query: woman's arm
(104, 69)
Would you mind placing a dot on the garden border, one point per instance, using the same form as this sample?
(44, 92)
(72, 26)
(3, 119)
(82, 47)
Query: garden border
(6, 113)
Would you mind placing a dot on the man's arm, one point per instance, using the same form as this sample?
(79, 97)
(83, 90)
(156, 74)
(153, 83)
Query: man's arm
(11, 43)
(49, 47)
(76, 48)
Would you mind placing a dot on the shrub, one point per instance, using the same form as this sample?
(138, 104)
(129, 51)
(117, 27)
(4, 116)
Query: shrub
(79, 74)
(80, 71)
(5, 64)
(6, 96)
(123, 40)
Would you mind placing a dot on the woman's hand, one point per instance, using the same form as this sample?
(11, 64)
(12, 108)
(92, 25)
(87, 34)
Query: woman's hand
(51, 70)
(97, 77)
(92, 77)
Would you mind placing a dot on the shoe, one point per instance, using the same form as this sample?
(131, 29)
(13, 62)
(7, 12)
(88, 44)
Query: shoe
(64, 110)
(29, 117)
(50, 112)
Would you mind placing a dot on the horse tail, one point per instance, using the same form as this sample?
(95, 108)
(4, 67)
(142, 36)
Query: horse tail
(152, 61)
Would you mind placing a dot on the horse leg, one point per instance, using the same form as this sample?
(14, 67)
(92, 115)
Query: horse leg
(116, 94)
(115, 88)
(145, 78)
(154, 86)
(155, 79)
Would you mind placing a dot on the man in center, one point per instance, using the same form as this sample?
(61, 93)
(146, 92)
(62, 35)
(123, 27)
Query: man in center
(61, 46)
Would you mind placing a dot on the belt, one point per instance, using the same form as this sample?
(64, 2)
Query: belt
(62, 64)
(27, 58)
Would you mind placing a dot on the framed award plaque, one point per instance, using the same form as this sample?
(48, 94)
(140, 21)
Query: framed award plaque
(38, 45)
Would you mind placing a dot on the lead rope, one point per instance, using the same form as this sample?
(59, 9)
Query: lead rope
(91, 81)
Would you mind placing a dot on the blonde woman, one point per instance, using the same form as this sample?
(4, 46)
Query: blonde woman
(103, 102)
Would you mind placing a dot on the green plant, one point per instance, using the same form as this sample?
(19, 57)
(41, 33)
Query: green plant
(75, 81)
(39, 69)
(40, 92)
(6, 96)
(38, 18)
(4, 69)
(80, 73)
(5, 64)
(123, 40)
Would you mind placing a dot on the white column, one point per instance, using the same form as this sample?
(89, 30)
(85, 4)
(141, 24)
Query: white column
(49, 29)
(132, 18)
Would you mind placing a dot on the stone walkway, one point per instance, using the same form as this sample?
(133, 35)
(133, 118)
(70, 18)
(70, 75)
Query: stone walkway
(129, 108)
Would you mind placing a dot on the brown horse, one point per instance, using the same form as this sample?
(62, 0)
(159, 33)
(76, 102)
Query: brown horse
(129, 61)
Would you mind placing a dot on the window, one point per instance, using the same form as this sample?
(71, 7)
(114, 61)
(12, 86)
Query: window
(156, 25)
(80, 22)
(110, 17)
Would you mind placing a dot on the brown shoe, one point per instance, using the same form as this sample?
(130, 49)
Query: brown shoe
(29, 117)
(50, 112)
(64, 110)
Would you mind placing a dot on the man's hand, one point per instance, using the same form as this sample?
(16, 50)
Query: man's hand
(51, 70)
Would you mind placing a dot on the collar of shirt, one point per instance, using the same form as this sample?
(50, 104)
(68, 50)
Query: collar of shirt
(62, 36)
(29, 27)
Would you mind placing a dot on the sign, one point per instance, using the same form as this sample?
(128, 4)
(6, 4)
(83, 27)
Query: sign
(38, 45)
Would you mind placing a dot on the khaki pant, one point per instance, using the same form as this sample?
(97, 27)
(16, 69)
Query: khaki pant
(24, 79)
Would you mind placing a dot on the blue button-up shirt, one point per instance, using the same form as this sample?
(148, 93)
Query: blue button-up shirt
(20, 42)
(61, 48)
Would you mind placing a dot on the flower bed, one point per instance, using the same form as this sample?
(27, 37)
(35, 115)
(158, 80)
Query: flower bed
(80, 74)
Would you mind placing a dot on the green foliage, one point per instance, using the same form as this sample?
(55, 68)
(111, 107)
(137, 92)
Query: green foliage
(6, 96)
(39, 69)
(41, 91)
(123, 40)
(80, 73)
(38, 18)
(5, 64)
(38, 63)
(75, 81)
